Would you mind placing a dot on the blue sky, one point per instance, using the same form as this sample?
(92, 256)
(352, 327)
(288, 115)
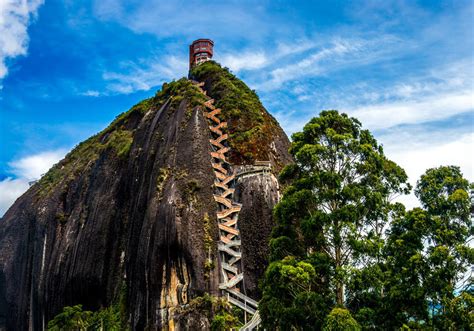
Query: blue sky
(404, 68)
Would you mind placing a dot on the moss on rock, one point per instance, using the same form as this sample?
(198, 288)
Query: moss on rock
(252, 129)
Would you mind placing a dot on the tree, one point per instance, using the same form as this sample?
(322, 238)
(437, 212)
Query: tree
(106, 319)
(406, 268)
(336, 205)
(427, 255)
(71, 318)
(443, 192)
(292, 297)
(74, 318)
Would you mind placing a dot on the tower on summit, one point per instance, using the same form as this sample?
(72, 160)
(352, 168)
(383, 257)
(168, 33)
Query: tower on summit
(200, 51)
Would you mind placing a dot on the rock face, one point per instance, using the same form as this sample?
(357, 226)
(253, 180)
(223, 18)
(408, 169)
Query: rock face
(130, 212)
(258, 193)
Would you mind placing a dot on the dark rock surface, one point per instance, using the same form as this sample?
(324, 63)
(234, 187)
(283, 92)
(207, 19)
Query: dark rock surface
(258, 194)
(100, 222)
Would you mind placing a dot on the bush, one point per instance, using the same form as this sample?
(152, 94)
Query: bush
(340, 319)
(74, 318)
(224, 321)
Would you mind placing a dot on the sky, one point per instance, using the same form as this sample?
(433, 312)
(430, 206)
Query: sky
(404, 68)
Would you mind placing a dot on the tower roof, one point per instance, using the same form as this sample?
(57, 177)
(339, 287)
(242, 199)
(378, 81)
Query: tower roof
(202, 39)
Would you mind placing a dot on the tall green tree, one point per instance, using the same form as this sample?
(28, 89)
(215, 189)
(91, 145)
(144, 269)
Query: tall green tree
(406, 268)
(427, 255)
(295, 297)
(443, 192)
(336, 204)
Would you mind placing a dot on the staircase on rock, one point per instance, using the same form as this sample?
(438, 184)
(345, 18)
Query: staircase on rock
(229, 246)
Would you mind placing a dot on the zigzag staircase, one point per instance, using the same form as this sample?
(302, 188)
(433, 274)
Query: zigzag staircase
(229, 245)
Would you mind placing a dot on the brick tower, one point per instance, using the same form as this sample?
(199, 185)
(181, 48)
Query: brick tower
(200, 51)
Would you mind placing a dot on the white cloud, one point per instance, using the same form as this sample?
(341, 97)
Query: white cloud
(294, 47)
(436, 95)
(332, 55)
(15, 15)
(310, 63)
(33, 166)
(91, 93)
(195, 18)
(10, 190)
(431, 108)
(25, 169)
(143, 76)
(249, 60)
(416, 151)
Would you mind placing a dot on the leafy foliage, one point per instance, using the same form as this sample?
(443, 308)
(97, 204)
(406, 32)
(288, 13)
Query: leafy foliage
(74, 318)
(425, 257)
(444, 194)
(108, 318)
(338, 200)
(180, 90)
(340, 241)
(340, 319)
(71, 318)
(292, 296)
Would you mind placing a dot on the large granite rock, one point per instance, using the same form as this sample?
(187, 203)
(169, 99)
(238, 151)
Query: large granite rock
(130, 212)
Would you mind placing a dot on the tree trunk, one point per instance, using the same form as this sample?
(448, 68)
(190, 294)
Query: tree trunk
(340, 293)
(339, 284)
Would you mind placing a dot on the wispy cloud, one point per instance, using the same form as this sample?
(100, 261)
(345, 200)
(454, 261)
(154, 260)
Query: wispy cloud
(143, 76)
(186, 18)
(311, 60)
(25, 169)
(310, 64)
(11, 189)
(432, 108)
(31, 167)
(247, 60)
(15, 16)
(91, 93)
(439, 94)
(416, 151)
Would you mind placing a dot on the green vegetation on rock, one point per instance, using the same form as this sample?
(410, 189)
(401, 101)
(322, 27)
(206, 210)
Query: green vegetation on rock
(111, 318)
(163, 175)
(208, 244)
(75, 318)
(121, 141)
(180, 90)
(218, 311)
(250, 126)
